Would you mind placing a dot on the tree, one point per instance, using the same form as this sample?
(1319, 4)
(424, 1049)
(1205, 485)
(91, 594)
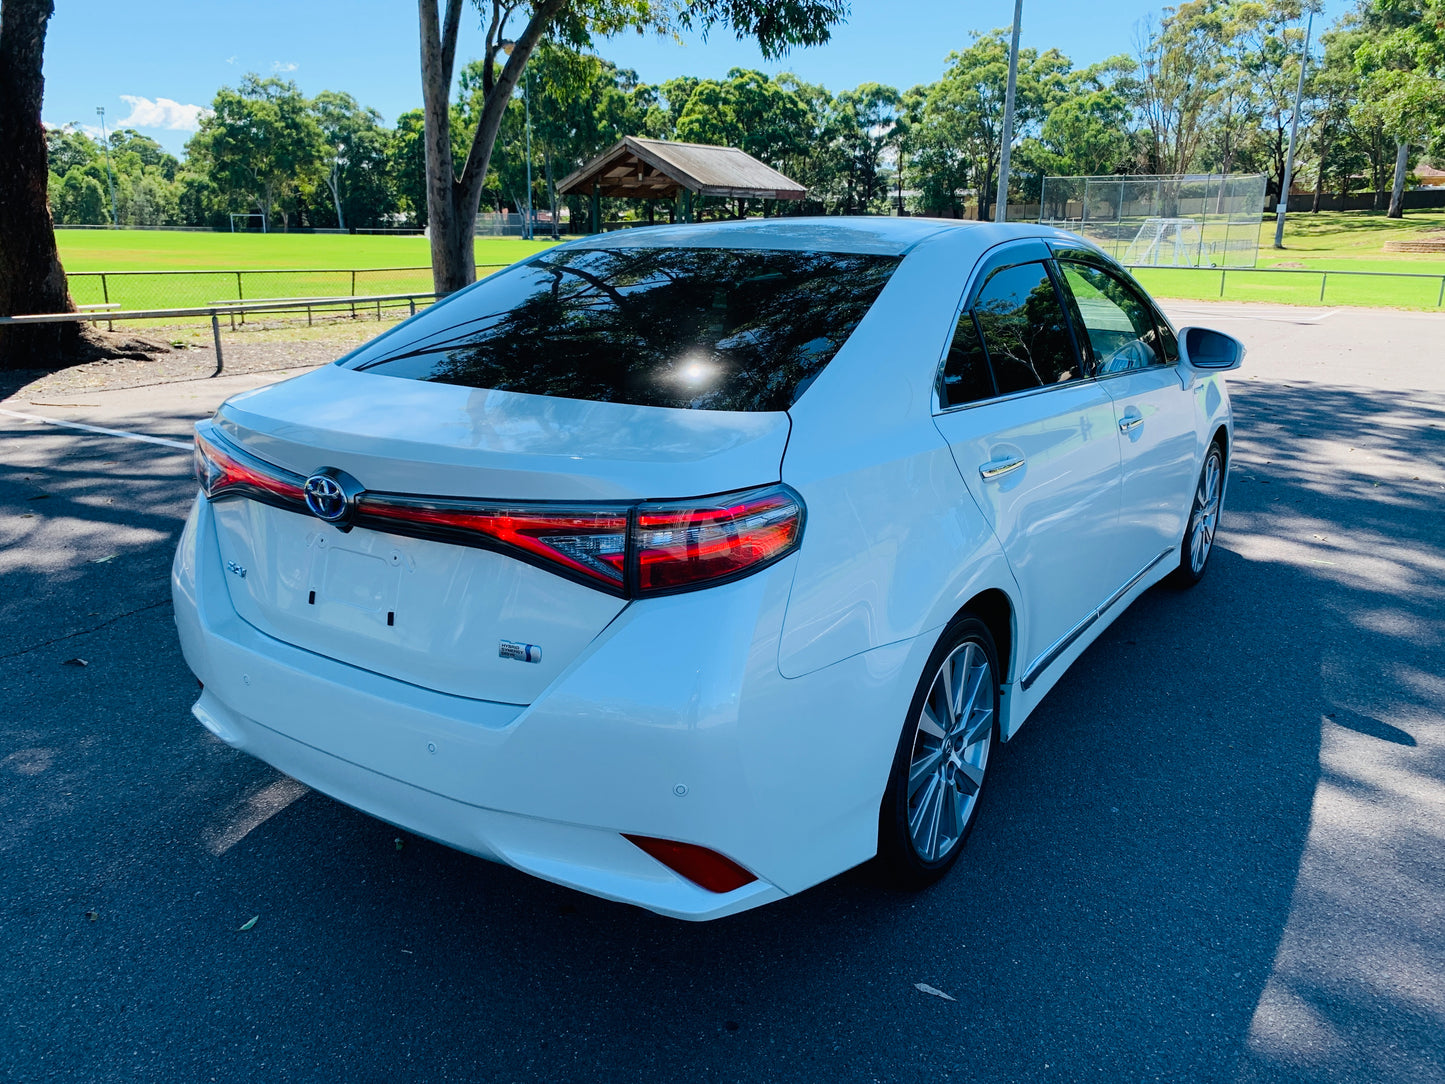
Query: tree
(871, 115)
(353, 156)
(1401, 63)
(1180, 65)
(32, 279)
(453, 197)
(260, 143)
(406, 165)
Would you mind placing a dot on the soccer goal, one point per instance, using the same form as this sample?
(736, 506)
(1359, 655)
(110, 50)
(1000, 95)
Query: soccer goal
(1172, 220)
(248, 223)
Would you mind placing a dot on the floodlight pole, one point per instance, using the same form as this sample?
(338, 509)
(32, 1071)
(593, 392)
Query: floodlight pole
(1282, 204)
(105, 145)
(1000, 207)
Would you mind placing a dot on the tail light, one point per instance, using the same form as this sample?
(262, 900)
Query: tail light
(225, 471)
(628, 549)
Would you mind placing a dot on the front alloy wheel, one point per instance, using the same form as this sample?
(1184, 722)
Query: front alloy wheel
(939, 770)
(1203, 520)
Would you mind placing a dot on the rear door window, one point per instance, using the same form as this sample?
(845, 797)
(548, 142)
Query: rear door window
(1025, 330)
(698, 328)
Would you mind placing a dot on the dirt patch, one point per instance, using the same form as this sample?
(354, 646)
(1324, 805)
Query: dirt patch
(191, 356)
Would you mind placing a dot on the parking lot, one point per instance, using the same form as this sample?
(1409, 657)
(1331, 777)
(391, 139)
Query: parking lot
(1215, 853)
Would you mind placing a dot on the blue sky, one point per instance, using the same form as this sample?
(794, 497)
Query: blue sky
(153, 65)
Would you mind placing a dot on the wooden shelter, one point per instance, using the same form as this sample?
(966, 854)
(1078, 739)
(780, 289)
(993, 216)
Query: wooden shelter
(658, 169)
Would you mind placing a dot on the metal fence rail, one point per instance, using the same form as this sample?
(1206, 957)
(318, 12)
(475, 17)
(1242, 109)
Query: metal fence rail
(172, 289)
(309, 305)
(1324, 275)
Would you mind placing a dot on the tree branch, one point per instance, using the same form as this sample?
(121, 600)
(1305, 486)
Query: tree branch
(480, 154)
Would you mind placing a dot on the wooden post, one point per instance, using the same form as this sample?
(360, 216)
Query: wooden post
(596, 211)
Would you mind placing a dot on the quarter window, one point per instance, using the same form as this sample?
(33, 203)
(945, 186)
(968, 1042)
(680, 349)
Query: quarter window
(966, 377)
(1121, 330)
(1024, 330)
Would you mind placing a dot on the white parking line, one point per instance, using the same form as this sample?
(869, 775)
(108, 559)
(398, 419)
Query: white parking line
(181, 445)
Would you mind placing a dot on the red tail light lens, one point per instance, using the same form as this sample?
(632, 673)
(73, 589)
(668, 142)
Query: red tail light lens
(632, 549)
(686, 544)
(229, 472)
(588, 540)
(699, 865)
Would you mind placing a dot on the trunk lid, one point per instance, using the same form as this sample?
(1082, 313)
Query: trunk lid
(454, 618)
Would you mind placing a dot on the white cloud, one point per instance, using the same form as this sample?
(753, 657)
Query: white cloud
(289, 66)
(161, 113)
(89, 129)
(230, 60)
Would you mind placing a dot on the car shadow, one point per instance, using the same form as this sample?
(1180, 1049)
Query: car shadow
(1118, 913)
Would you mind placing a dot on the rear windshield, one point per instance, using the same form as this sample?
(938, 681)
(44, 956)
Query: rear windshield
(704, 329)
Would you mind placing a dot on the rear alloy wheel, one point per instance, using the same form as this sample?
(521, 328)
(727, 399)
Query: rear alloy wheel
(938, 770)
(1204, 512)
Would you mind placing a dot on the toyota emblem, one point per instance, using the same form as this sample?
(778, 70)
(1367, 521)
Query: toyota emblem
(331, 494)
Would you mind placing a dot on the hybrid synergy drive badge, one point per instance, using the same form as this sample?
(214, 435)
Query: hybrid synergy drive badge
(510, 649)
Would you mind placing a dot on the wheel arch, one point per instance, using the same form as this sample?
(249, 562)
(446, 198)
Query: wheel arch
(996, 610)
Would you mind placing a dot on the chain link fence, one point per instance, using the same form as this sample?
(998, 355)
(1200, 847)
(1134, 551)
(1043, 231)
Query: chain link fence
(1176, 220)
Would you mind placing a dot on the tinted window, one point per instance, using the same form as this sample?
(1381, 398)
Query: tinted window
(706, 329)
(1121, 328)
(1024, 329)
(966, 377)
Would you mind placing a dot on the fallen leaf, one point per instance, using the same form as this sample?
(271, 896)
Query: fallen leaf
(398, 843)
(75, 662)
(249, 924)
(92, 915)
(924, 988)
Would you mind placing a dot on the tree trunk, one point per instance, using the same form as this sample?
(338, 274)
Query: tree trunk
(1397, 192)
(332, 183)
(452, 201)
(31, 277)
(1319, 188)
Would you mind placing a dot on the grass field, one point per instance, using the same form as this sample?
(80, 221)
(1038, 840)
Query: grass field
(273, 265)
(166, 250)
(1330, 241)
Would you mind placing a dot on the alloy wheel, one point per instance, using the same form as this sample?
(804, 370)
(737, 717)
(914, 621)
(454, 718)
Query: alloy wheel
(950, 752)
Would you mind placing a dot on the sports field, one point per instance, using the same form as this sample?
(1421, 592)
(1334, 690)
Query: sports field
(226, 267)
(1330, 241)
(168, 250)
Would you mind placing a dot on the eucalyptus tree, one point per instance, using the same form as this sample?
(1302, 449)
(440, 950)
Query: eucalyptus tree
(512, 31)
(354, 155)
(1401, 63)
(260, 144)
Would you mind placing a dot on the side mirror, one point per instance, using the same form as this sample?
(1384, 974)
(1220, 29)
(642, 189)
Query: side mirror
(1209, 350)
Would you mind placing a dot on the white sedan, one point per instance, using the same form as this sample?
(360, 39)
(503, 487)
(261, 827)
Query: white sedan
(691, 566)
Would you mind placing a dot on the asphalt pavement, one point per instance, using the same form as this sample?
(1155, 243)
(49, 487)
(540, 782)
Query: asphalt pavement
(1215, 853)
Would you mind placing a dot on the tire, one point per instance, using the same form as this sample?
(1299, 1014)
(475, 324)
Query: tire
(931, 803)
(1203, 522)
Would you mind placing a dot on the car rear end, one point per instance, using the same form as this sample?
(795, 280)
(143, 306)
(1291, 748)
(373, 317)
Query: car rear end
(513, 575)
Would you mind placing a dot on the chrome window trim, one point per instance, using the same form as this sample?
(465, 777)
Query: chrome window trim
(1000, 258)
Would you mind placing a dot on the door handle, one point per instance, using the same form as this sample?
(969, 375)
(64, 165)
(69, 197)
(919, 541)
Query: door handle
(1128, 425)
(1000, 467)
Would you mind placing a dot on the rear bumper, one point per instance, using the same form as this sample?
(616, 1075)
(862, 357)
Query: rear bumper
(674, 723)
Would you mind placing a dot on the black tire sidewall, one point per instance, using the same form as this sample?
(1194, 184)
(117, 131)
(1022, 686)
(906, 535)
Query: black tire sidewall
(1184, 575)
(900, 860)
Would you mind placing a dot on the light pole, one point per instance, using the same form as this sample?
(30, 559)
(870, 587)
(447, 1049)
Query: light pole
(1282, 205)
(507, 47)
(1000, 206)
(105, 143)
